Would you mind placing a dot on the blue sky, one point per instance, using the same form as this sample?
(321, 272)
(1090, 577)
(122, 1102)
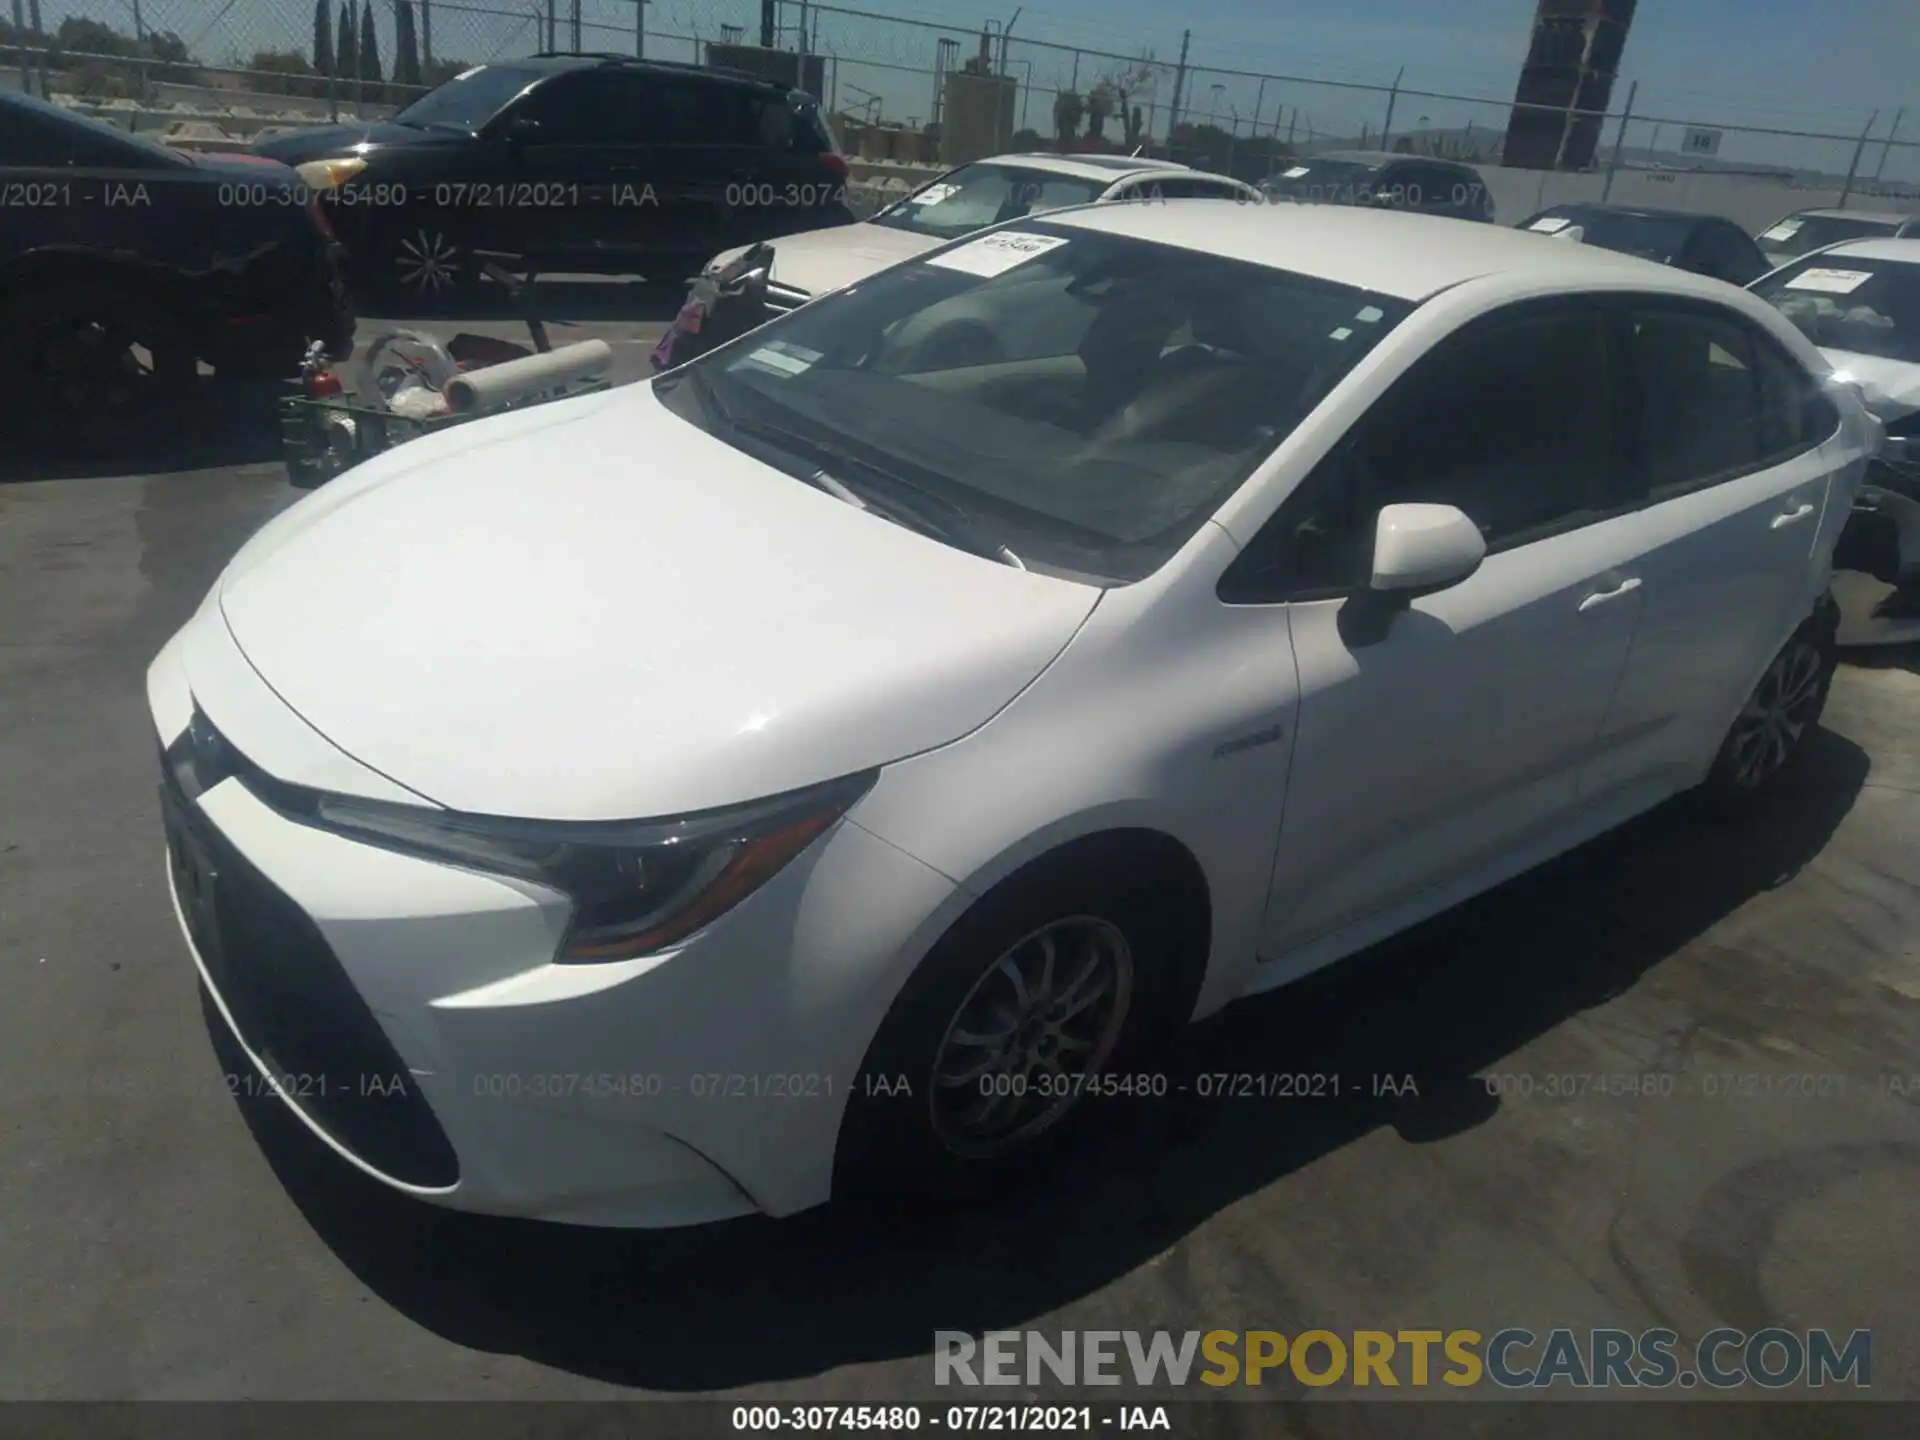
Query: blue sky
(1821, 65)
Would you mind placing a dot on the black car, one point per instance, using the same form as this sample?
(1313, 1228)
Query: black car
(1389, 181)
(1704, 244)
(123, 264)
(592, 163)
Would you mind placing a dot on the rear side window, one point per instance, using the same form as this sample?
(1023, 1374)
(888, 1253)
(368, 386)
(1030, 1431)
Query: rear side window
(1698, 413)
(693, 112)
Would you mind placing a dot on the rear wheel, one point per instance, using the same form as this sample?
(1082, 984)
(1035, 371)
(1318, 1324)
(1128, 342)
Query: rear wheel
(97, 359)
(1772, 727)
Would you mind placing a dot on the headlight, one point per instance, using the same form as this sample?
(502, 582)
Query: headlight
(636, 887)
(329, 174)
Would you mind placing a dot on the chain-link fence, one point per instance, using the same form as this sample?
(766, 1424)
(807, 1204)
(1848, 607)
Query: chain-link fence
(905, 90)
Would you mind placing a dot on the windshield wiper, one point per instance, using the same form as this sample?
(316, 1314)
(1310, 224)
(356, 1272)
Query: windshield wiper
(900, 499)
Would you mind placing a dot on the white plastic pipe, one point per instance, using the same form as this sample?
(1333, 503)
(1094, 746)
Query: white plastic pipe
(519, 379)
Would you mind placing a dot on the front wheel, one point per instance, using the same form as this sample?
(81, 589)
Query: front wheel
(1038, 1001)
(1772, 727)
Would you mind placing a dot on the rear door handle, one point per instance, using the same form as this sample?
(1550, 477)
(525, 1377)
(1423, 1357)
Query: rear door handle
(1792, 517)
(1618, 592)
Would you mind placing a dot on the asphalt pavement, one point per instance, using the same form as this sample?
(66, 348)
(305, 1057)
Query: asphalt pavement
(161, 1238)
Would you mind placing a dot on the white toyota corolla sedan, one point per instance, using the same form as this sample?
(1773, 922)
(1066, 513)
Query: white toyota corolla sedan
(827, 764)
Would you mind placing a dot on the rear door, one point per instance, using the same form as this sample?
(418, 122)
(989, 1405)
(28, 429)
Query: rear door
(1732, 449)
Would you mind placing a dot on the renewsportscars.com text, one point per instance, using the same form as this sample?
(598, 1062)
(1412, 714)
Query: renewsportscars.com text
(1513, 1358)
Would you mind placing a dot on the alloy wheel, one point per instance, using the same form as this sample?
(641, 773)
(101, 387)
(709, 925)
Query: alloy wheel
(427, 263)
(1777, 715)
(1036, 1027)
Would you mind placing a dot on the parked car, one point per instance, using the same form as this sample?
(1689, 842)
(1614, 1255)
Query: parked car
(1389, 181)
(969, 198)
(1704, 244)
(1860, 303)
(589, 163)
(124, 263)
(823, 766)
(1804, 230)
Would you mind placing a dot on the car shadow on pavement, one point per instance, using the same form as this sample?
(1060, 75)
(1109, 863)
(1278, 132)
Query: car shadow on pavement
(755, 1301)
(1886, 657)
(218, 425)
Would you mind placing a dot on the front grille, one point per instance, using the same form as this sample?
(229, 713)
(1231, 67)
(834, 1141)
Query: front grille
(291, 1001)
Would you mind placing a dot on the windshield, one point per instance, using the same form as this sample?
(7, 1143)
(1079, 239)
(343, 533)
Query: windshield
(470, 99)
(976, 196)
(1085, 399)
(1869, 307)
(1327, 182)
(1798, 234)
(1651, 237)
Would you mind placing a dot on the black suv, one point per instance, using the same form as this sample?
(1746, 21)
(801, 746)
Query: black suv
(593, 163)
(1387, 181)
(124, 264)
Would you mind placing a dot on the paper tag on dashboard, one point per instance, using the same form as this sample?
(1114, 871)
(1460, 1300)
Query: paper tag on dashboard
(782, 357)
(998, 253)
(1830, 282)
(1785, 230)
(1296, 172)
(932, 195)
(1552, 225)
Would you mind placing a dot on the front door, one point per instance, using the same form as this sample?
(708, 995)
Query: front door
(1431, 754)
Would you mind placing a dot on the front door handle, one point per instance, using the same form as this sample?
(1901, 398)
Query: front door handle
(1618, 592)
(1792, 517)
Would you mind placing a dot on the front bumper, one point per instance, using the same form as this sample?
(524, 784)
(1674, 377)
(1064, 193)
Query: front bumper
(411, 1014)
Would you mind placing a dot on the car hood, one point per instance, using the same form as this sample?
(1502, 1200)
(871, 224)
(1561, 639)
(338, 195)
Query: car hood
(817, 261)
(594, 610)
(325, 142)
(1891, 387)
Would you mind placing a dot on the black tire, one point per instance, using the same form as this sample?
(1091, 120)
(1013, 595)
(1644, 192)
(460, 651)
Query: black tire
(895, 1140)
(100, 360)
(1771, 732)
(419, 262)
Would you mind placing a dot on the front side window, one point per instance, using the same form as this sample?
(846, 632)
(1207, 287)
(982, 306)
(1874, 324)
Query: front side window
(1087, 399)
(1537, 461)
(1841, 302)
(976, 196)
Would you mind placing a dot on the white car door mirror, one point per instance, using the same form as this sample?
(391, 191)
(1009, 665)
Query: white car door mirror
(1418, 549)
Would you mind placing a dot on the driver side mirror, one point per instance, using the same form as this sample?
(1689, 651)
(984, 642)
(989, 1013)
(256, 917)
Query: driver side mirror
(1417, 550)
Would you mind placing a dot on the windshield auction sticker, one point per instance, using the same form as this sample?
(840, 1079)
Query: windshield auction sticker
(1785, 230)
(1830, 282)
(933, 195)
(998, 253)
(1551, 224)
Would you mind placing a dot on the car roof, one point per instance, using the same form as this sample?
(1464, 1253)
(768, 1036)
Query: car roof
(1638, 212)
(1876, 217)
(1904, 251)
(1381, 157)
(561, 61)
(1399, 253)
(1087, 167)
